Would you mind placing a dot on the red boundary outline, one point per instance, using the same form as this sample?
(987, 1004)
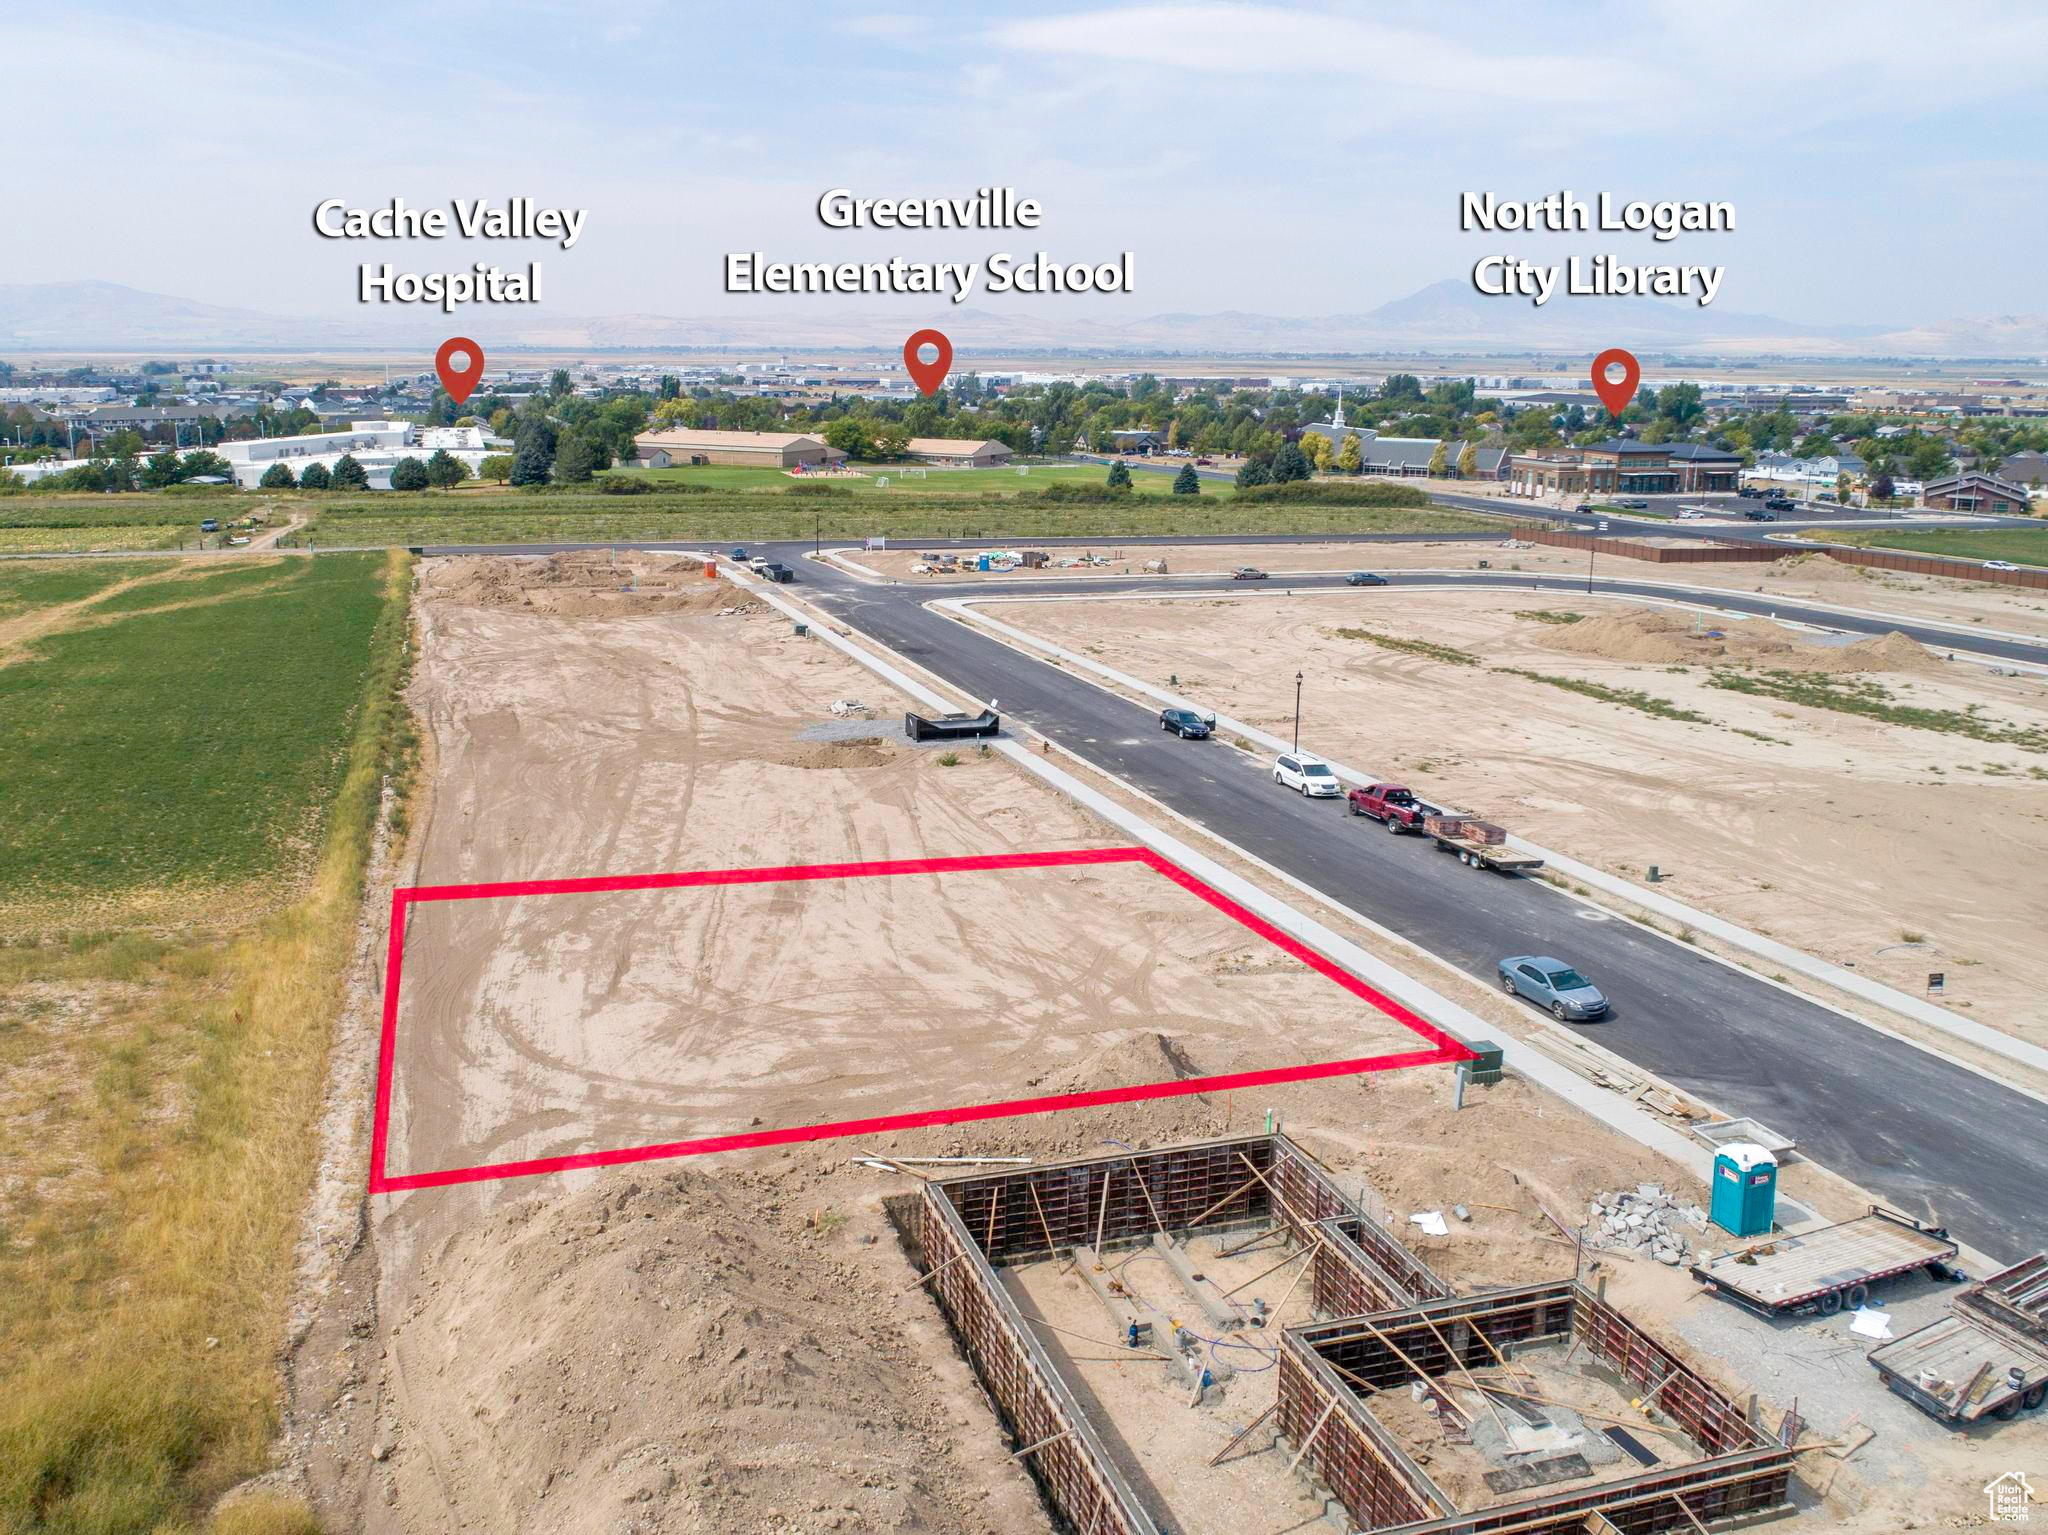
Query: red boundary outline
(1444, 1051)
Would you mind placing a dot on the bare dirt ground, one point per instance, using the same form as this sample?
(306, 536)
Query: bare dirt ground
(738, 1343)
(1811, 577)
(1865, 842)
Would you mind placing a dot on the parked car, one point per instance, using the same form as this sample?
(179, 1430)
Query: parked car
(1391, 804)
(2000, 565)
(1185, 723)
(758, 564)
(1552, 984)
(1690, 514)
(1203, 463)
(1779, 503)
(1364, 578)
(1754, 492)
(1633, 504)
(1310, 775)
(740, 556)
(775, 570)
(1247, 573)
(211, 525)
(1755, 514)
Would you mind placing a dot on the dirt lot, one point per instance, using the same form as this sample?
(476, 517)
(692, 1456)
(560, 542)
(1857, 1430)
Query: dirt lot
(1879, 836)
(1812, 578)
(738, 1342)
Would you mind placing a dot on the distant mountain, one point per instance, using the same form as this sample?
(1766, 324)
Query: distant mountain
(1448, 316)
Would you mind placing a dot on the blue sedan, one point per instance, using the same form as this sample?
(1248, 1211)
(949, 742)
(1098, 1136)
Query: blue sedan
(1553, 984)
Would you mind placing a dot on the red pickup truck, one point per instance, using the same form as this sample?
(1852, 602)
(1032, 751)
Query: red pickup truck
(1395, 807)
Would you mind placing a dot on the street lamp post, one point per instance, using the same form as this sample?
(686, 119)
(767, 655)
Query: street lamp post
(1592, 547)
(1297, 711)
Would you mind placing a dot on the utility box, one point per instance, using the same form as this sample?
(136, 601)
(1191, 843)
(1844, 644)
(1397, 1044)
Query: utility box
(1745, 1198)
(1485, 1066)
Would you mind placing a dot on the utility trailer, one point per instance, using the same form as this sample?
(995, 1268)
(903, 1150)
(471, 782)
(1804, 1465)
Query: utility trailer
(1823, 1271)
(1481, 844)
(951, 727)
(1987, 1358)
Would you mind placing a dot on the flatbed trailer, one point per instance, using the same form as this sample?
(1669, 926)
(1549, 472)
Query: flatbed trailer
(1824, 1270)
(1480, 844)
(1987, 1358)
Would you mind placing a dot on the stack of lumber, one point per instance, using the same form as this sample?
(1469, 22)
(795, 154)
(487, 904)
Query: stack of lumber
(1464, 828)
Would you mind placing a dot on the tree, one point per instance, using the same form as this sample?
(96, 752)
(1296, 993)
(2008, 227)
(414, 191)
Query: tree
(496, 466)
(1119, 476)
(1468, 462)
(1439, 461)
(575, 459)
(849, 434)
(278, 477)
(1317, 447)
(1252, 473)
(1815, 445)
(1349, 457)
(1187, 482)
(199, 462)
(533, 461)
(1882, 487)
(1680, 405)
(1290, 463)
(408, 474)
(348, 474)
(559, 384)
(314, 476)
(162, 469)
(445, 470)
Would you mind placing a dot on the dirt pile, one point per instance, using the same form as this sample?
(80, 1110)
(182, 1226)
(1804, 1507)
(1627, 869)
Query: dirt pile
(594, 584)
(671, 1352)
(844, 754)
(1644, 636)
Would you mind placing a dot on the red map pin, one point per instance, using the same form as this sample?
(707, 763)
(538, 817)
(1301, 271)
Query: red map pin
(459, 382)
(928, 376)
(1615, 394)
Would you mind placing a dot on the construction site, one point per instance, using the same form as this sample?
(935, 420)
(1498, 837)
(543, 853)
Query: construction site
(985, 1169)
(1130, 1315)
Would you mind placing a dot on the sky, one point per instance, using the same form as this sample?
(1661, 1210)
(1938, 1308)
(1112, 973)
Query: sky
(1278, 159)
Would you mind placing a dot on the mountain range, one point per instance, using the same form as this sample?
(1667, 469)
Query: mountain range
(1445, 317)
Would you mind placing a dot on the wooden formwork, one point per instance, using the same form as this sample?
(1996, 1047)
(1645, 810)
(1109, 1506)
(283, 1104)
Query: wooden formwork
(969, 1226)
(1743, 1470)
(1071, 1463)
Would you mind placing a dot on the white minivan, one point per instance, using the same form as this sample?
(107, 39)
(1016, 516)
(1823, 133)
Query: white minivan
(1309, 774)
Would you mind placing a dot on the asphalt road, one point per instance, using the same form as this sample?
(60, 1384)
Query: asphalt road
(1930, 1138)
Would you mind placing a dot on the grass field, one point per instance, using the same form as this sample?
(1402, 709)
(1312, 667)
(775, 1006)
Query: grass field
(71, 524)
(910, 479)
(840, 515)
(182, 745)
(204, 753)
(2023, 546)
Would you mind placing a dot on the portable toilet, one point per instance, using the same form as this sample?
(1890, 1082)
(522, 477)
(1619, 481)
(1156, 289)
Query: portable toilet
(981, 562)
(1745, 1189)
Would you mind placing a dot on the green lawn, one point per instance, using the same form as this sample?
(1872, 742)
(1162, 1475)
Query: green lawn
(2023, 546)
(192, 747)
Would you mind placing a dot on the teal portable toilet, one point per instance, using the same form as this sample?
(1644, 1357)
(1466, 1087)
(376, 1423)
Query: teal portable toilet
(1745, 1189)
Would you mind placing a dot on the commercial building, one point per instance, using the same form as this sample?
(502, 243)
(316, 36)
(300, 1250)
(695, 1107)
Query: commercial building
(755, 450)
(1622, 467)
(1984, 494)
(959, 452)
(376, 445)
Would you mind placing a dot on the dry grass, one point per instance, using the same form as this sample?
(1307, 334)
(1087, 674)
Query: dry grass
(144, 1296)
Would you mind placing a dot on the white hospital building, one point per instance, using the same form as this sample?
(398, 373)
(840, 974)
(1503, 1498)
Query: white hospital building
(376, 445)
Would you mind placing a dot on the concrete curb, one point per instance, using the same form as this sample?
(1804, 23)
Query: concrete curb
(1843, 980)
